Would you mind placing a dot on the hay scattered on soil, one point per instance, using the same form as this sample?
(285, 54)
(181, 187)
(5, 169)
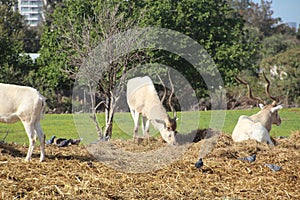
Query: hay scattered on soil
(149, 155)
(72, 173)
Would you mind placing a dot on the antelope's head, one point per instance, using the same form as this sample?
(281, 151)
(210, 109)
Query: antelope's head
(166, 130)
(271, 110)
(169, 136)
(171, 123)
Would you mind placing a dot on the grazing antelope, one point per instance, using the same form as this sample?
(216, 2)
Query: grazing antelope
(27, 105)
(142, 99)
(259, 125)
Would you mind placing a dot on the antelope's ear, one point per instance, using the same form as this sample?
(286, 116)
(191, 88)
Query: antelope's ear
(261, 106)
(274, 109)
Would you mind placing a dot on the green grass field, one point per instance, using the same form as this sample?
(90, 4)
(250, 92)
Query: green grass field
(64, 125)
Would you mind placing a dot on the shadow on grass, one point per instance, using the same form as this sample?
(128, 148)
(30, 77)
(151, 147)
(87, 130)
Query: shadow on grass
(11, 150)
(81, 158)
(19, 151)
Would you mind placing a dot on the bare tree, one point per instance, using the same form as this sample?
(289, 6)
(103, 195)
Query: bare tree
(102, 70)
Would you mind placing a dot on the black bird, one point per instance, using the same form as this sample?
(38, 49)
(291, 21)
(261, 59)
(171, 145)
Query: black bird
(64, 143)
(51, 140)
(249, 159)
(199, 163)
(57, 141)
(274, 167)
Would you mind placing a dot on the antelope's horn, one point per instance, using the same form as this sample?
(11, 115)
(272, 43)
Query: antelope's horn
(170, 97)
(250, 95)
(267, 88)
(165, 90)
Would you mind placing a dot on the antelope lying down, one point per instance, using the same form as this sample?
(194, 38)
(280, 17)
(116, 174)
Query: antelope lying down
(143, 99)
(25, 104)
(259, 125)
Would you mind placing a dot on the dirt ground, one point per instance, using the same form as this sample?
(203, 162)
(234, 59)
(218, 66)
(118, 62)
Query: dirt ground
(73, 173)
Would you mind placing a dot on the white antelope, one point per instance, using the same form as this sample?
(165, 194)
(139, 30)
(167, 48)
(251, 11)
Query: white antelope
(259, 125)
(142, 99)
(25, 104)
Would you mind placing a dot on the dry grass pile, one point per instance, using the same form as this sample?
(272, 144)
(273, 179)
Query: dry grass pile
(72, 173)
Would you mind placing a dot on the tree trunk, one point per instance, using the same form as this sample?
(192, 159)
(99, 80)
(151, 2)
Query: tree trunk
(109, 115)
(94, 112)
(109, 127)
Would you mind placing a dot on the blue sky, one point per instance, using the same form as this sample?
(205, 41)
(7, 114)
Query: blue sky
(287, 10)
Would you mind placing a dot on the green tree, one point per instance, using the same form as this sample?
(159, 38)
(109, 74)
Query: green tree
(284, 69)
(257, 15)
(50, 77)
(214, 24)
(278, 43)
(31, 39)
(13, 66)
(273, 37)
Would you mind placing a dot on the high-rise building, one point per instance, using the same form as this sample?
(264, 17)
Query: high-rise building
(32, 10)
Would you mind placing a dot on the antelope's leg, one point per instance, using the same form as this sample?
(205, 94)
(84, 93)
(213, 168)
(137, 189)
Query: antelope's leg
(29, 128)
(39, 132)
(146, 124)
(136, 124)
(269, 141)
